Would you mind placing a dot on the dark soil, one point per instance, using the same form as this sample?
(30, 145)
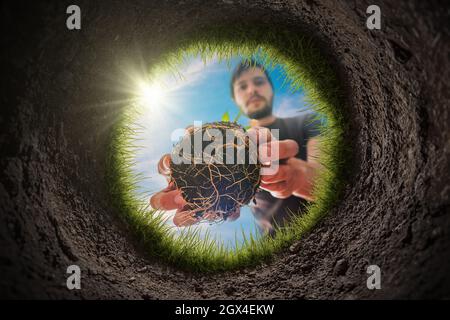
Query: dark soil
(56, 117)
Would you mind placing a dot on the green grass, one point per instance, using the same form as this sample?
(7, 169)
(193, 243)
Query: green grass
(304, 67)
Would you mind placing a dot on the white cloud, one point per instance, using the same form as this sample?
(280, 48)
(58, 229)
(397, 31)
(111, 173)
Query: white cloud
(292, 105)
(196, 71)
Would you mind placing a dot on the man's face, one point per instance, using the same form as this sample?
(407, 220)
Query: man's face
(253, 93)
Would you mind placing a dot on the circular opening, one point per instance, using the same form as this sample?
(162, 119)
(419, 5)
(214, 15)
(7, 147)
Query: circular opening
(240, 208)
(305, 69)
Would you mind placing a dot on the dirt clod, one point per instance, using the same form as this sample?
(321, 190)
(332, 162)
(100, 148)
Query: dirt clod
(218, 181)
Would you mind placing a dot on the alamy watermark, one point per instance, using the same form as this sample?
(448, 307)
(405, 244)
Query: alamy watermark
(374, 20)
(73, 22)
(74, 280)
(374, 280)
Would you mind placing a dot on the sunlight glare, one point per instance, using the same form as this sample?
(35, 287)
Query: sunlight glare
(151, 95)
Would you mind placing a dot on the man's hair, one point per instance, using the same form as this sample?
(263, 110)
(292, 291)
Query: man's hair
(243, 66)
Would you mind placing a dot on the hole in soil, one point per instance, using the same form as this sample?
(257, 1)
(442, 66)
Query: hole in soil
(223, 199)
(215, 215)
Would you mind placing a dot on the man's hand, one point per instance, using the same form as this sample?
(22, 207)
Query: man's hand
(170, 198)
(294, 176)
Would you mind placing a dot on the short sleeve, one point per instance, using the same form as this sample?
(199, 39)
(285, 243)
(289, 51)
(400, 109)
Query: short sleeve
(312, 125)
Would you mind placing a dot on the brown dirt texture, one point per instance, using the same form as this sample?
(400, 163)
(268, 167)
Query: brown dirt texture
(55, 120)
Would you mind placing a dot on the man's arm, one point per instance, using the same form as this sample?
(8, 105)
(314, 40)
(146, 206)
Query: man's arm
(312, 151)
(308, 171)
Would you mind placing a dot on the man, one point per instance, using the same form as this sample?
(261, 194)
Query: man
(287, 191)
(284, 192)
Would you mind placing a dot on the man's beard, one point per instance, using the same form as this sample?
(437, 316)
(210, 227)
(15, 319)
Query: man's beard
(261, 113)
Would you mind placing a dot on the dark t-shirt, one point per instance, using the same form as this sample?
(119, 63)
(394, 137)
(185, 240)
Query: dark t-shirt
(269, 210)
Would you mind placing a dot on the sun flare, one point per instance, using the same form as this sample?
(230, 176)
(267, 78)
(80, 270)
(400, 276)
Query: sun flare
(151, 94)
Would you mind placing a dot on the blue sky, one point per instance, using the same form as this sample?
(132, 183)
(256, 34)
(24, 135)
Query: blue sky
(202, 94)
